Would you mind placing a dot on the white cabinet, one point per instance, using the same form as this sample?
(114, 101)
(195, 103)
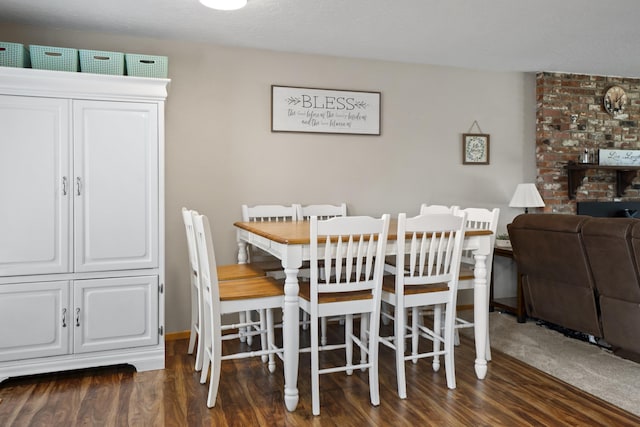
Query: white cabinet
(115, 185)
(115, 313)
(41, 319)
(34, 320)
(34, 185)
(81, 221)
(109, 191)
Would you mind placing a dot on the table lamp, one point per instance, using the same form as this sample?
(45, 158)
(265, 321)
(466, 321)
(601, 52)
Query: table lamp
(526, 196)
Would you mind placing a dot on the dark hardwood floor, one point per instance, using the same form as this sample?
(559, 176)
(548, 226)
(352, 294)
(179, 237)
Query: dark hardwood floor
(513, 394)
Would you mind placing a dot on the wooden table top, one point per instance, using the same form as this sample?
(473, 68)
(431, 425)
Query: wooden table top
(297, 232)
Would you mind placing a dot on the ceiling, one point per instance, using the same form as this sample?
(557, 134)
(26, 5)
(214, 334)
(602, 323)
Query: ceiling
(600, 37)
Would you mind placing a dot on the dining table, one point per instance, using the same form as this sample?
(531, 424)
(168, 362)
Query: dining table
(289, 241)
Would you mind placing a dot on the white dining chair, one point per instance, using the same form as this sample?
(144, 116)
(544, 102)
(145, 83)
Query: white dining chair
(426, 276)
(256, 256)
(225, 272)
(434, 209)
(322, 211)
(259, 293)
(391, 260)
(267, 213)
(325, 211)
(357, 245)
(477, 219)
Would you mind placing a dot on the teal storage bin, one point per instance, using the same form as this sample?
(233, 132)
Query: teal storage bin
(101, 62)
(146, 65)
(53, 58)
(14, 55)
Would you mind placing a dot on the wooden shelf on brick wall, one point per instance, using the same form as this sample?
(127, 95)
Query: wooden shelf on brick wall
(576, 173)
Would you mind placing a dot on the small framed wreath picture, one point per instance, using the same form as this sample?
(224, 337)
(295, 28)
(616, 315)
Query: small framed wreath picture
(475, 149)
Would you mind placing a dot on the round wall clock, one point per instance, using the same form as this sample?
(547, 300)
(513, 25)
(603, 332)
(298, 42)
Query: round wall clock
(615, 101)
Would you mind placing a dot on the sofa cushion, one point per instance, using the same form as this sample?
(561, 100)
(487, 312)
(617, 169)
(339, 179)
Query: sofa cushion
(620, 322)
(550, 245)
(613, 255)
(556, 277)
(607, 240)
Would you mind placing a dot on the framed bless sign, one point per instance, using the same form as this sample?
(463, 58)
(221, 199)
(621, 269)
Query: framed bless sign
(475, 149)
(300, 109)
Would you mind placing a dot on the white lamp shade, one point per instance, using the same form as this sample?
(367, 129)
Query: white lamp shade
(224, 4)
(526, 196)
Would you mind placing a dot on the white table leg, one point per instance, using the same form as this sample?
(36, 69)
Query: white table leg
(290, 338)
(242, 252)
(242, 316)
(480, 314)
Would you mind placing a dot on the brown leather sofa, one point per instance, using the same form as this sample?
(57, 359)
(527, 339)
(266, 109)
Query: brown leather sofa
(613, 248)
(581, 273)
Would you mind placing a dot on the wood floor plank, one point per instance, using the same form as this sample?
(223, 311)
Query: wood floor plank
(512, 394)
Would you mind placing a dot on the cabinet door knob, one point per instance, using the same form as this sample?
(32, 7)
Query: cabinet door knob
(64, 317)
(78, 186)
(64, 185)
(78, 316)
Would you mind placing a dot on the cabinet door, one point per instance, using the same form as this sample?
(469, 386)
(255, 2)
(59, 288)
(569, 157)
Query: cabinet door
(34, 185)
(115, 313)
(116, 185)
(34, 320)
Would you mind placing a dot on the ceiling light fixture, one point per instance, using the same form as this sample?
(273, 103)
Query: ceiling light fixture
(224, 4)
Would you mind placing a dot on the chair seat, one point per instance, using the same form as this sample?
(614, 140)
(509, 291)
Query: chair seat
(257, 287)
(268, 266)
(305, 293)
(466, 272)
(238, 271)
(389, 285)
(391, 261)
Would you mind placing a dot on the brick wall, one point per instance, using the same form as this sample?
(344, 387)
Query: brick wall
(570, 117)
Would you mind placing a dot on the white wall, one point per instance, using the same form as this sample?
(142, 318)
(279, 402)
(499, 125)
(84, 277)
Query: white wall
(220, 152)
